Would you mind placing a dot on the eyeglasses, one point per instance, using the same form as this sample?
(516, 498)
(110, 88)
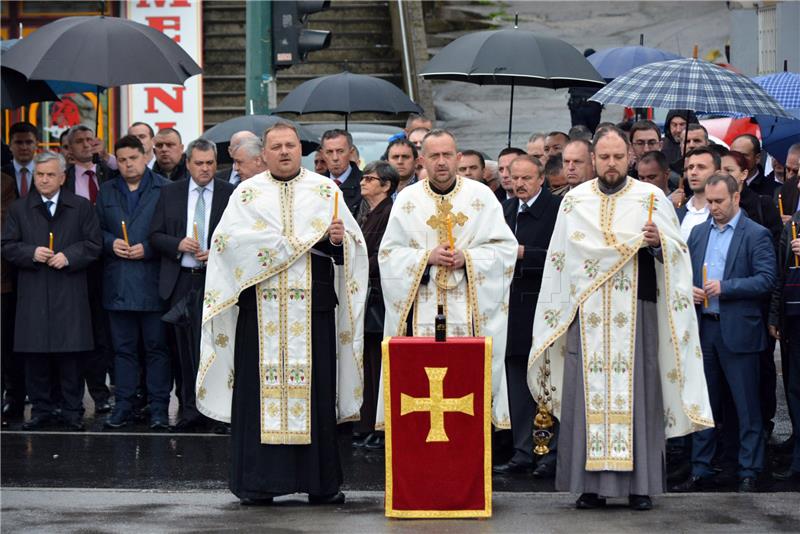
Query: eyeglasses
(369, 177)
(649, 142)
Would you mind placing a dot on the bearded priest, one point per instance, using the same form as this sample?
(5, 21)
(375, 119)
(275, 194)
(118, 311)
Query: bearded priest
(283, 315)
(615, 334)
(470, 276)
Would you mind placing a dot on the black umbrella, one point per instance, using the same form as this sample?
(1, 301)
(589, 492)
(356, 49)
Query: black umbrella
(19, 91)
(512, 57)
(347, 93)
(222, 132)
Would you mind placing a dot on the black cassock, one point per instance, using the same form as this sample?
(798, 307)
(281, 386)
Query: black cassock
(260, 471)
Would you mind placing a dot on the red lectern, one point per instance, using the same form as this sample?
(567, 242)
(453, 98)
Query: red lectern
(437, 401)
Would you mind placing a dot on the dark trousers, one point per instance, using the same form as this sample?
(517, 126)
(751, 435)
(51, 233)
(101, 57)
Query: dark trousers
(97, 363)
(63, 370)
(372, 376)
(187, 341)
(767, 384)
(522, 409)
(741, 372)
(791, 333)
(126, 328)
(13, 364)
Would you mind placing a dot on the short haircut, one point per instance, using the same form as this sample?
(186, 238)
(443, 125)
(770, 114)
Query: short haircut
(46, 156)
(643, 126)
(530, 159)
(754, 142)
(417, 117)
(739, 158)
(23, 127)
(280, 125)
(75, 129)
(579, 131)
(585, 142)
(334, 133)
(511, 150)
(128, 141)
(420, 129)
(719, 149)
(62, 137)
(140, 123)
(203, 145)
(693, 127)
(705, 150)
(168, 130)
(605, 131)
(440, 132)
(481, 159)
(727, 179)
(556, 132)
(658, 157)
(403, 142)
(385, 172)
(604, 124)
(536, 136)
(554, 165)
(795, 148)
(251, 145)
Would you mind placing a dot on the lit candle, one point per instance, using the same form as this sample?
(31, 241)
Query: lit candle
(780, 204)
(450, 233)
(705, 277)
(650, 209)
(336, 205)
(125, 233)
(51, 240)
(196, 238)
(794, 236)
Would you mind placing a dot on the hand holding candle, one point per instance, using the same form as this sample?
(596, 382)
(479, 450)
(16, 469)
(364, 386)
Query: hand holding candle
(336, 205)
(705, 278)
(794, 236)
(125, 233)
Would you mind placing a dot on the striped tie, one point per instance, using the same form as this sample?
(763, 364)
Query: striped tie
(200, 217)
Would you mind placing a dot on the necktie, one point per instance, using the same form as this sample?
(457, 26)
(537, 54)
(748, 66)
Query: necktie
(200, 217)
(23, 182)
(92, 186)
(337, 181)
(49, 205)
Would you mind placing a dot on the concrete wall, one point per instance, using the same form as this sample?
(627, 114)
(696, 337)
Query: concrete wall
(744, 38)
(789, 35)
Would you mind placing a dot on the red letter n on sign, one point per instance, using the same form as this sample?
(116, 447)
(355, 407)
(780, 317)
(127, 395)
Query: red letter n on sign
(174, 103)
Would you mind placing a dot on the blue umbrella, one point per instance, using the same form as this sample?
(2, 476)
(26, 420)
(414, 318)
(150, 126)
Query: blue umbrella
(778, 134)
(783, 86)
(693, 84)
(614, 62)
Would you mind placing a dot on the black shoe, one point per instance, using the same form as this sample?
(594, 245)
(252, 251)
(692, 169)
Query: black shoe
(336, 498)
(255, 502)
(375, 441)
(102, 407)
(545, 470)
(223, 429)
(788, 474)
(640, 503)
(512, 468)
(188, 425)
(747, 485)
(75, 425)
(680, 472)
(39, 422)
(692, 484)
(784, 447)
(159, 422)
(117, 420)
(590, 501)
(360, 439)
(13, 410)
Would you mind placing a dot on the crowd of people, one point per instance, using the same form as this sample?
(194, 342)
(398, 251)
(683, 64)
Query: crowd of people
(115, 272)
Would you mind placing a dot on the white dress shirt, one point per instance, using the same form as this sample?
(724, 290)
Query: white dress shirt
(187, 259)
(692, 218)
(54, 200)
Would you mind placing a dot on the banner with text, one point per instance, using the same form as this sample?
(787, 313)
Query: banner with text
(165, 105)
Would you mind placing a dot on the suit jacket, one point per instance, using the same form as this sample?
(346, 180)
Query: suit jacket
(763, 185)
(748, 279)
(178, 173)
(761, 210)
(169, 226)
(129, 285)
(789, 196)
(785, 262)
(351, 189)
(9, 169)
(53, 313)
(104, 174)
(533, 231)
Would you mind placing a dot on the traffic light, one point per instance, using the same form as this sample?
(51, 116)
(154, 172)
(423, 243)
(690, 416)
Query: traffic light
(291, 41)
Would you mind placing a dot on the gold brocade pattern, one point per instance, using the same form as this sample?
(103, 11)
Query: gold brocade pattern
(436, 404)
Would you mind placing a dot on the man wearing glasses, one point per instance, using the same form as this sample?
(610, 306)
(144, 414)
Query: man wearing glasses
(645, 137)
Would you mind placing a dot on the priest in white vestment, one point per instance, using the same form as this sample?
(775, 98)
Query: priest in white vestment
(615, 333)
(282, 335)
(420, 270)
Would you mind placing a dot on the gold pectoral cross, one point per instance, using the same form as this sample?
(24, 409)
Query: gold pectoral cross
(439, 221)
(436, 404)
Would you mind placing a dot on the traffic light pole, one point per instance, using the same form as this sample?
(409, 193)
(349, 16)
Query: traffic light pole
(260, 89)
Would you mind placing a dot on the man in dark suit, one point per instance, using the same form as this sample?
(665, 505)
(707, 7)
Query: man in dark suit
(750, 146)
(51, 237)
(184, 221)
(85, 175)
(337, 148)
(247, 161)
(23, 137)
(531, 216)
(170, 159)
(790, 190)
(230, 173)
(130, 284)
(733, 261)
(504, 159)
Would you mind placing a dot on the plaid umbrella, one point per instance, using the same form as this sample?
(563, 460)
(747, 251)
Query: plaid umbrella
(689, 84)
(784, 87)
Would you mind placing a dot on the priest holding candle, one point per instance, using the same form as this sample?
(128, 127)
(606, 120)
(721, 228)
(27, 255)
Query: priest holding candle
(125, 207)
(51, 237)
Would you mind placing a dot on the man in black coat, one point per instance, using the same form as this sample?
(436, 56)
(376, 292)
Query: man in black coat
(531, 216)
(51, 237)
(337, 149)
(183, 224)
(170, 159)
(750, 146)
(23, 137)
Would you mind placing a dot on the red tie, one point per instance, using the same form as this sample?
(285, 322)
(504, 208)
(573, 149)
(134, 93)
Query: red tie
(337, 182)
(92, 186)
(23, 182)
